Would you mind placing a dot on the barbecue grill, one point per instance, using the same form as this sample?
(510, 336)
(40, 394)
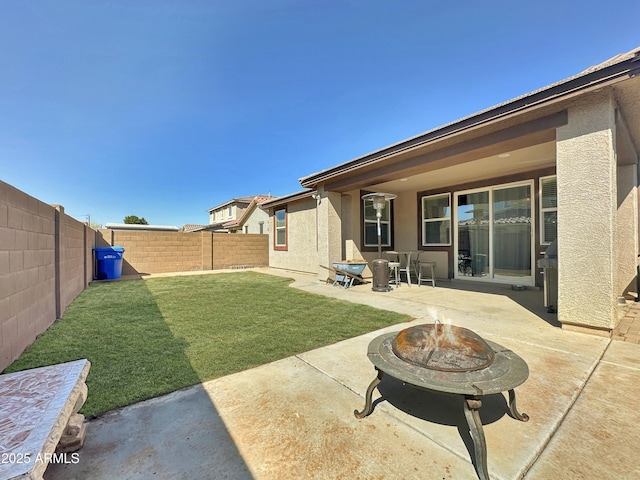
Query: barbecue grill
(549, 265)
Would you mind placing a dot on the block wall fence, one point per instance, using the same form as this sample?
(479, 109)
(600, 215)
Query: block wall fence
(46, 261)
(148, 252)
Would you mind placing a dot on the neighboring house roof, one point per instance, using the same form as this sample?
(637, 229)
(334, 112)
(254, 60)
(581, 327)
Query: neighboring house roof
(256, 201)
(191, 227)
(135, 226)
(211, 227)
(611, 71)
(246, 200)
(283, 200)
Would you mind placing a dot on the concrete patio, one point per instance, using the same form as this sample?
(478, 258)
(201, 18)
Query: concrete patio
(293, 419)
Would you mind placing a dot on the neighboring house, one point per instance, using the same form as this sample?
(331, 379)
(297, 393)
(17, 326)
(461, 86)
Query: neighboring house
(485, 196)
(226, 212)
(237, 215)
(253, 219)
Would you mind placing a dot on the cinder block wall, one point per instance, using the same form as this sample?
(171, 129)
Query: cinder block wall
(76, 270)
(43, 267)
(164, 252)
(240, 250)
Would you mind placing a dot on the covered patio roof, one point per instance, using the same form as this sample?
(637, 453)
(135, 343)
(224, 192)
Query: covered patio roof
(523, 128)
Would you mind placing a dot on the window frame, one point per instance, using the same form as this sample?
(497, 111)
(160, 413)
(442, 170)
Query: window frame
(283, 246)
(544, 210)
(364, 221)
(424, 221)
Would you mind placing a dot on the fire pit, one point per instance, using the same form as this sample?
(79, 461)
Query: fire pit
(450, 360)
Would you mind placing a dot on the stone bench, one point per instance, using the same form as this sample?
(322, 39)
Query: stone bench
(39, 419)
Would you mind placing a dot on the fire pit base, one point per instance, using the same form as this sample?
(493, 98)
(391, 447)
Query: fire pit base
(506, 372)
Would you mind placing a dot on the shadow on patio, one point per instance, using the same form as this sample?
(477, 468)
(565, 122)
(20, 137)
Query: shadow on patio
(531, 298)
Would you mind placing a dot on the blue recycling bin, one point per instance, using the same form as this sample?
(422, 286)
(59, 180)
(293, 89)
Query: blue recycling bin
(109, 262)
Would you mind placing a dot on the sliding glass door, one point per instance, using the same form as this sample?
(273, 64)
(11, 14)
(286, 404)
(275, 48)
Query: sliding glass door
(473, 233)
(494, 233)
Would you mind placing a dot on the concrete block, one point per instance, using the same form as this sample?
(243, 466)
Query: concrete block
(30, 259)
(4, 262)
(16, 261)
(33, 205)
(7, 238)
(4, 313)
(22, 239)
(15, 218)
(33, 240)
(4, 212)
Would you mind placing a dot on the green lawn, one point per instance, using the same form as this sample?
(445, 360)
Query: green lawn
(145, 338)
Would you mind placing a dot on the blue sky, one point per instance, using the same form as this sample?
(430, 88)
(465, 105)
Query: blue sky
(163, 109)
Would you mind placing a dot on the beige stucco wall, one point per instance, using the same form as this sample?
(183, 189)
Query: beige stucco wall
(627, 247)
(329, 208)
(253, 221)
(626, 228)
(404, 216)
(222, 214)
(587, 204)
(351, 231)
(406, 231)
(302, 247)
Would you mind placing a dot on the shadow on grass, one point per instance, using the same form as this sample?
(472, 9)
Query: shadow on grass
(146, 338)
(135, 356)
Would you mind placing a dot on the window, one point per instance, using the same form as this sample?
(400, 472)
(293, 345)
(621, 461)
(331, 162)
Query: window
(229, 209)
(371, 225)
(548, 209)
(436, 219)
(280, 218)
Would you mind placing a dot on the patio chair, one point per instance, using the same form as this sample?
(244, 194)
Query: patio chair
(405, 266)
(425, 270)
(394, 265)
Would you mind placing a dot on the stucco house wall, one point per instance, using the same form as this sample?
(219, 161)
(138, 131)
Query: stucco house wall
(627, 246)
(583, 131)
(302, 245)
(587, 204)
(253, 222)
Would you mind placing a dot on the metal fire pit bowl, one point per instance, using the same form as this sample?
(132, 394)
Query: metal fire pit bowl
(504, 372)
(443, 347)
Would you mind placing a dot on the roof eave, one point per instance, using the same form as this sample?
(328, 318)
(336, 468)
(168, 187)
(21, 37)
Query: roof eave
(287, 199)
(592, 79)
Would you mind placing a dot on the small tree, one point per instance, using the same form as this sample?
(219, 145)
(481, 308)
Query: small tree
(132, 219)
